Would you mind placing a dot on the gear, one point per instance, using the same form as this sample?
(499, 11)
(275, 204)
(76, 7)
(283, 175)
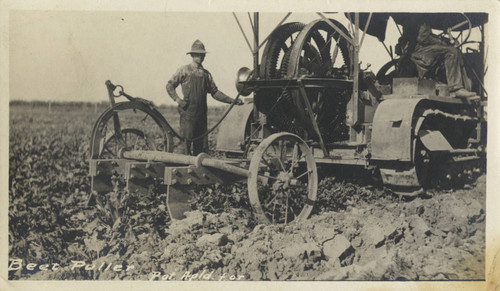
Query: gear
(293, 50)
(312, 56)
(276, 44)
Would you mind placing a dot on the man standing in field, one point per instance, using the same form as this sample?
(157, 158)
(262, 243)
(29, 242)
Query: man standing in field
(196, 82)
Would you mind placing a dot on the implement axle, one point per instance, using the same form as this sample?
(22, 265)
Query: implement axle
(171, 158)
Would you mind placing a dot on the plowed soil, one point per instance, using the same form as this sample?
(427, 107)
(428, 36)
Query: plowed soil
(357, 231)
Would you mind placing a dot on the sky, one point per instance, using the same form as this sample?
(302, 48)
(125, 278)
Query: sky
(68, 55)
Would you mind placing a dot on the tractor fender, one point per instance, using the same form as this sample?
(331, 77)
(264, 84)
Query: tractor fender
(232, 129)
(392, 130)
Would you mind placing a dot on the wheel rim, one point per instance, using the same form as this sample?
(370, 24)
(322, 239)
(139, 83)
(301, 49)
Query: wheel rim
(282, 182)
(141, 128)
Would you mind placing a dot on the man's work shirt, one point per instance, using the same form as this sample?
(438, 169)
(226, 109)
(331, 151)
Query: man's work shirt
(196, 82)
(417, 33)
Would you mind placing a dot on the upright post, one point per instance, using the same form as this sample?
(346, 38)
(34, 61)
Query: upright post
(353, 108)
(116, 119)
(483, 60)
(256, 44)
(256, 115)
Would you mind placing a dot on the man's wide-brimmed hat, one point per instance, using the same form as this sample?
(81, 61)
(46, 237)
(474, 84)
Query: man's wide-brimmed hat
(197, 48)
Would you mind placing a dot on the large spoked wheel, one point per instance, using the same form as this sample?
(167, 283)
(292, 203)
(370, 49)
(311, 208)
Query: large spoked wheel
(283, 179)
(130, 126)
(319, 51)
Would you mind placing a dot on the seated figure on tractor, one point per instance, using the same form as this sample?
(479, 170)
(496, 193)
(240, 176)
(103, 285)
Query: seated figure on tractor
(426, 55)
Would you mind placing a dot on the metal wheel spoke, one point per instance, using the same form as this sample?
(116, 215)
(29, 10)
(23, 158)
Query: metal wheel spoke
(295, 157)
(266, 163)
(302, 175)
(269, 177)
(310, 49)
(149, 142)
(292, 166)
(279, 158)
(116, 147)
(281, 164)
(274, 210)
(136, 141)
(282, 146)
(286, 209)
(294, 202)
(284, 47)
(272, 200)
(329, 37)
(256, 130)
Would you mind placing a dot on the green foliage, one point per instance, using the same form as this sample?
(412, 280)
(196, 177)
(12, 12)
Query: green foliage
(50, 219)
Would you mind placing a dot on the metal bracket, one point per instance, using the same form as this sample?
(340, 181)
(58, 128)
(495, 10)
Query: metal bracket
(142, 176)
(101, 172)
(190, 175)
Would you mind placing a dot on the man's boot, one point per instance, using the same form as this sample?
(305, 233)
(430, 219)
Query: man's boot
(462, 93)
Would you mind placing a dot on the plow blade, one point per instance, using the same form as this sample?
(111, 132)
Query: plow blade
(178, 198)
(145, 171)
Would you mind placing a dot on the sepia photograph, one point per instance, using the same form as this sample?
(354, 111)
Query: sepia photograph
(248, 146)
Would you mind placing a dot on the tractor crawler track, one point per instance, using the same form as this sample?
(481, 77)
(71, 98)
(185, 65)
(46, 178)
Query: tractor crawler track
(435, 167)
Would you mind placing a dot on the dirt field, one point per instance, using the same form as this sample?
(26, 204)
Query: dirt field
(357, 232)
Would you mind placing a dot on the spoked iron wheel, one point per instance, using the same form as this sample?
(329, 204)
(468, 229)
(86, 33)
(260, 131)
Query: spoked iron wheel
(130, 125)
(283, 179)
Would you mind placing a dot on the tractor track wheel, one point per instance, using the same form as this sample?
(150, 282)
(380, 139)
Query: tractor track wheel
(283, 179)
(436, 166)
